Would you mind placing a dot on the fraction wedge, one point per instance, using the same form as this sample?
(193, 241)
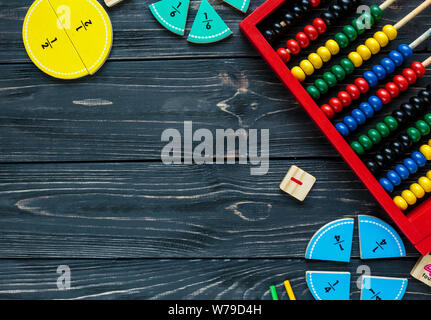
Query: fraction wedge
(171, 14)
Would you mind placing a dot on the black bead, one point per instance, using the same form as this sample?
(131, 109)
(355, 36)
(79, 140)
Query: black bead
(269, 35)
(425, 95)
(345, 4)
(380, 160)
(409, 110)
(297, 12)
(397, 146)
(329, 18)
(277, 28)
(418, 103)
(400, 116)
(405, 140)
(288, 17)
(336, 10)
(306, 6)
(374, 167)
(429, 87)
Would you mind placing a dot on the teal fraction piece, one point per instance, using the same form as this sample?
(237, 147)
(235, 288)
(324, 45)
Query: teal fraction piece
(379, 240)
(241, 5)
(329, 285)
(382, 288)
(332, 242)
(208, 26)
(171, 14)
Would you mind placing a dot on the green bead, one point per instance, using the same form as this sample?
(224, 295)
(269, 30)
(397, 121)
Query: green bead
(391, 122)
(313, 92)
(359, 27)
(321, 85)
(341, 39)
(347, 65)
(375, 136)
(414, 134)
(357, 147)
(367, 17)
(376, 12)
(383, 129)
(339, 72)
(350, 32)
(330, 79)
(427, 118)
(365, 142)
(423, 127)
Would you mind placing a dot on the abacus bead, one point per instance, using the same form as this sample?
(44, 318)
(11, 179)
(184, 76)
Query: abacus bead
(328, 111)
(368, 17)
(373, 45)
(381, 38)
(423, 127)
(315, 60)
(321, 85)
(341, 39)
(410, 75)
(376, 12)
(418, 103)
(405, 140)
(379, 71)
(311, 32)
(345, 98)
(314, 3)
(288, 18)
(425, 183)
(400, 116)
(394, 178)
(425, 95)
(390, 31)
(429, 172)
(313, 92)
(353, 91)
(365, 142)
(324, 54)
(418, 68)
(297, 12)
(277, 28)
(396, 57)
(414, 134)
(332, 46)
(347, 5)
(402, 171)
(350, 122)
(384, 96)
(367, 109)
(401, 203)
(342, 129)
(359, 116)
(306, 6)
(392, 89)
(427, 118)
(302, 39)
(347, 65)
(293, 46)
(383, 129)
(381, 160)
(410, 165)
(374, 135)
(391, 123)
(375, 102)
(373, 167)
(355, 58)
(408, 109)
(339, 72)
(405, 50)
(388, 64)
(409, 197)
(386, 184)
(362, 85)
(359, 27)
(417, 190)
(357, 147)
(364, 52)
(371, 78)
(336, 104)
(269, 34)
(419, 158)
(401, 82)
(298, 73)
(330, 79)
(350, 32)
(329, 18)
(307, 67)
(426, 151)
(283, 54)
(320, 25)
(336, 10)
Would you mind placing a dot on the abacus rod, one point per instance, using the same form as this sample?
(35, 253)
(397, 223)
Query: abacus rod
(412, 14)
(427, 62)
(386, 4)
(420, 39)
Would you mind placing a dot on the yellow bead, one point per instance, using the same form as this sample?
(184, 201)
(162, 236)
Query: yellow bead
(426, 151)
(390, 31)
(429, 142)
(429, 174)
(381, 38)
(307, 67)
(401, 203)
(417, 190)
(315, 60)
(332, 46)
(364, 52)
(425, 184)
(373, 45)
(409, 197)
(355, 58)
(298, 73)
(324, 54)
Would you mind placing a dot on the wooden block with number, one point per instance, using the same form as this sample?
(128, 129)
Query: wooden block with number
(297, 183)
(422, 270)
(111, 3)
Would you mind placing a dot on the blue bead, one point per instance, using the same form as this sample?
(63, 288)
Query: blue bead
(367, 109)
(396, 57)
(394, 177)
(342, 129)
(410, 165)
(405, 50)
(386, 184)
(388, 64)
(376, 103)
(350, 122)
(379, 71)
(419, 158)
(371, 78)
(359, 116)
(402, 171)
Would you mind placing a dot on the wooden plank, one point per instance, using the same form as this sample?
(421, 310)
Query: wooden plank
(129, 210)
(183, 279)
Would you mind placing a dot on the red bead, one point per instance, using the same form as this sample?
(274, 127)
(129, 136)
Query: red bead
(283, 54)
(384, 95)
(362, 85)
(345, 98)
(353, 91)
(320, 25)
(392, 88)
(302, 39)
(328, 111)
(314, 3)
(311, 32)
(401, 82)
(336, 104)
(293, 46)
(410, 75)
(419, 68)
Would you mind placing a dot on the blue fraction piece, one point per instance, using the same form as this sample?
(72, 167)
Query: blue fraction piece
(329, 285)
(382, 288)
(332, 242)
(379, 240)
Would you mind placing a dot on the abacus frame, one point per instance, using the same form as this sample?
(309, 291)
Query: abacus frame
(416, 225)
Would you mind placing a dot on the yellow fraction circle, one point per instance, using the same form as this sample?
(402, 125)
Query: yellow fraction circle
(67, 39)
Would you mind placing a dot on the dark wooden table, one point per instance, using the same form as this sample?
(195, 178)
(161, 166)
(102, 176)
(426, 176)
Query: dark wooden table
(82, 183)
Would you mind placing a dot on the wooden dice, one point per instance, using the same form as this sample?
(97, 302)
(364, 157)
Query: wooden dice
(422, 270)
(297, 183)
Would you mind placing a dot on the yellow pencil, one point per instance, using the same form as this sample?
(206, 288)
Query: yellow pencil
(289, 290)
